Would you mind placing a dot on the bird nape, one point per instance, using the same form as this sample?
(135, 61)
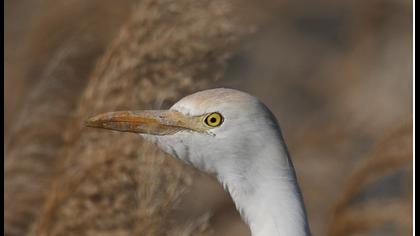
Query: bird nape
(233, 136)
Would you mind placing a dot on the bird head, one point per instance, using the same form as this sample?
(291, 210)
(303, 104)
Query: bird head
(211, 129)
(235, 137)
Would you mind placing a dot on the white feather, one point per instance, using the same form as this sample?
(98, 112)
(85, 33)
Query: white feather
(248, 156)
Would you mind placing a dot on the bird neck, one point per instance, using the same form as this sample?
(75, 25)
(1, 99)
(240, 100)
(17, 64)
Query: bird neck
(266, 192)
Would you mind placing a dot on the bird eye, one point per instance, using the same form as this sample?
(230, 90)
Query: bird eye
(214, 119)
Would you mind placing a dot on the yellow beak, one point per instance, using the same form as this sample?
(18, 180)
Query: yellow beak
(157, 122)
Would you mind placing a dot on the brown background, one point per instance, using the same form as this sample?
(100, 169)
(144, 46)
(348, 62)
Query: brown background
(337, 75)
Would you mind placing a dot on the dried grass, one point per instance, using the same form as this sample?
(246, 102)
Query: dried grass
(37, 133)
(112, 184)
(335, 73)
(392, 153)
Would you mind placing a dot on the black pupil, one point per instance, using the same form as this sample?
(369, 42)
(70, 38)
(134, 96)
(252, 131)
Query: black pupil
(213, 120)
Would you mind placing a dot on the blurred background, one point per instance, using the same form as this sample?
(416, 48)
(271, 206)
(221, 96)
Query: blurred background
(337, 75)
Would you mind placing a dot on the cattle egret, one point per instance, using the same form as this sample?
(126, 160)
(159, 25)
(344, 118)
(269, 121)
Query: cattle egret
(233, 136)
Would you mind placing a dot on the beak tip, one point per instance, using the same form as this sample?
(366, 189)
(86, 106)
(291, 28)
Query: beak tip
(91, 122)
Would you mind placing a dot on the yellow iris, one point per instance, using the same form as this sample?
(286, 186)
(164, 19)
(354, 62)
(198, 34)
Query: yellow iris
(214, 119)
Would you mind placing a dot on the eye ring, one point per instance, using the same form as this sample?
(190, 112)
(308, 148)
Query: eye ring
(214, 119)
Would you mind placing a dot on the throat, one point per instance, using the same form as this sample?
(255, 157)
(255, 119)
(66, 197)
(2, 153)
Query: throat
(268, 197)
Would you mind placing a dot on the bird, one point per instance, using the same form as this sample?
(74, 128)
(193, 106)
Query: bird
(234, 137)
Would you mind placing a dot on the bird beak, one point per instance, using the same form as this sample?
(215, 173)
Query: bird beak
(156, 122)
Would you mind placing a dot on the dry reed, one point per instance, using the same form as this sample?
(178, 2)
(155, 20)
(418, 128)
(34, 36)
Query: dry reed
(67, 58)
(392, 153)
(112, 184)
(335, 73)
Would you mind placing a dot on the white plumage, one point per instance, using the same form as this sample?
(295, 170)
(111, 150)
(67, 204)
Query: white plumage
(244, 149)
